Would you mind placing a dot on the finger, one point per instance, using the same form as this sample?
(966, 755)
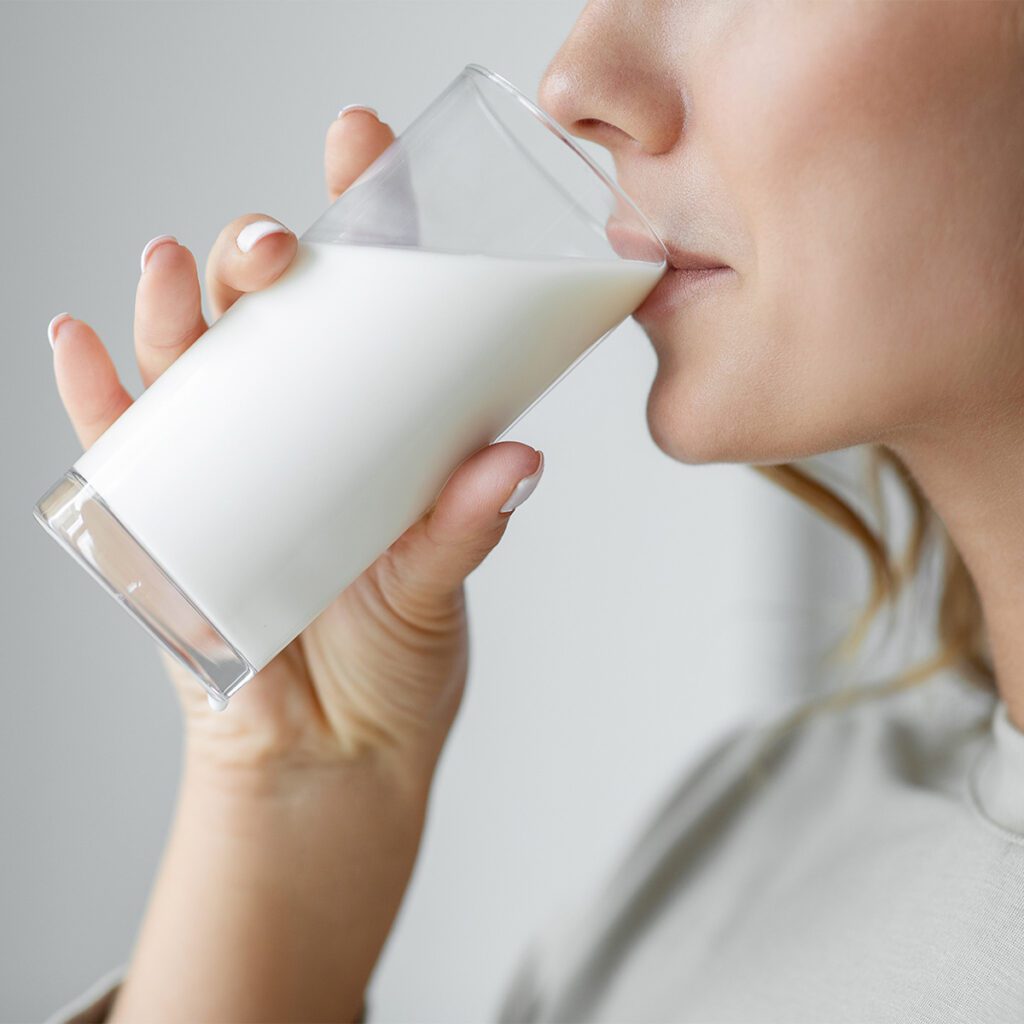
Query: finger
(87, 380)
(168, 306)
(250, 253)
(354, 140)
(435, 554)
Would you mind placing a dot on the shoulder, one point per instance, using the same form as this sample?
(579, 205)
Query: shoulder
(869, 745)
(854, 805)
(926, 733)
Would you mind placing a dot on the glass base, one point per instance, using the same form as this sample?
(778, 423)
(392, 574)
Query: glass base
(78, 518)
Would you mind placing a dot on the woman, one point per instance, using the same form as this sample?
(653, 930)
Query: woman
(854, 171)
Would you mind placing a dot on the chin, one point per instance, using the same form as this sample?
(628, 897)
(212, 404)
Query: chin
(704, 423)
(683, 426)
(700, 406)
(720, 422)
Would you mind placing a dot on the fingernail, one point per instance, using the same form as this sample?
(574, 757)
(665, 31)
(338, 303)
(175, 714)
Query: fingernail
(54, 326)
(357, 106)
(252, 233)
(151, 245)
(524, 488)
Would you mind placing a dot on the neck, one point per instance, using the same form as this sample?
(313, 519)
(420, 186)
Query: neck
(974, 477)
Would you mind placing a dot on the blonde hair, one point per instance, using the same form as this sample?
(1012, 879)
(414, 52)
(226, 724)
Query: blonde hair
(963, 642)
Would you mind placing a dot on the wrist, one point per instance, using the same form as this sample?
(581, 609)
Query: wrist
(251, 760)
(299, 872)
(388, 790)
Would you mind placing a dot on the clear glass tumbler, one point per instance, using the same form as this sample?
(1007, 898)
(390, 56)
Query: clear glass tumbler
(458, 279)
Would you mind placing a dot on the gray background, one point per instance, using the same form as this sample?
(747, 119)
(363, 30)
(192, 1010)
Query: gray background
(635, 608)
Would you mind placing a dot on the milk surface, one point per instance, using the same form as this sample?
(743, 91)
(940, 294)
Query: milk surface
(318, 419)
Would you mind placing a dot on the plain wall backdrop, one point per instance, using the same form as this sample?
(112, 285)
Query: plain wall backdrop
(635, 608)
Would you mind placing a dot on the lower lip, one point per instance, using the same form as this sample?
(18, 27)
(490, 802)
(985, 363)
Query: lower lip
(677, 287)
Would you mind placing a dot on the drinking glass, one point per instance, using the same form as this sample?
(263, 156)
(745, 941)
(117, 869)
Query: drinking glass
(468, 269)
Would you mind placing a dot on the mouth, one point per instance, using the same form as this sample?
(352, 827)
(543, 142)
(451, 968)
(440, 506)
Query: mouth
(680, 285)
(689, 273)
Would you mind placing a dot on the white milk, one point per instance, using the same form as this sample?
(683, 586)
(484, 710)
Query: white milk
(318, 419)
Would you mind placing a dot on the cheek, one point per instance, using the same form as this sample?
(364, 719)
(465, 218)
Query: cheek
(831, 128)
(747, 376)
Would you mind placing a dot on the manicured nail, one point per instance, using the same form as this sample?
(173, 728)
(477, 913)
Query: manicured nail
(357, 106)
(252, 233)
(54, 326)
(524, 488)
(151, 245)
(217, 703)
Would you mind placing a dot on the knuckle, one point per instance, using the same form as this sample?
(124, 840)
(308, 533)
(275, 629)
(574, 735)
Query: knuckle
(102, 411)
(421, 603)
(172, 335)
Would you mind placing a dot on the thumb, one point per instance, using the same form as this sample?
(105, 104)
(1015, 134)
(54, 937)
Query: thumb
(436, 553)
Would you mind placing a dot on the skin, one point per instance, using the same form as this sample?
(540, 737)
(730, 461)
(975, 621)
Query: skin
(856, 166)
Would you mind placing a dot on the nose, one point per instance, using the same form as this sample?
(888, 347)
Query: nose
(604, 85)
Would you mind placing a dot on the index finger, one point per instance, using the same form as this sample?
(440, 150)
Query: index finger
(87, 380)
(354, 140)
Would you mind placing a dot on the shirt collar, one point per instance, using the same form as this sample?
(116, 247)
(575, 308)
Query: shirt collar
(998, 775)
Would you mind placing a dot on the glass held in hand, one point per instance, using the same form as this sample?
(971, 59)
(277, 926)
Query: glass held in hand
(469, 268)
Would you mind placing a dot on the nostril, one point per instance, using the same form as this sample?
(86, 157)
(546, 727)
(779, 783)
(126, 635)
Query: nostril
(589, 128)
(596, 130)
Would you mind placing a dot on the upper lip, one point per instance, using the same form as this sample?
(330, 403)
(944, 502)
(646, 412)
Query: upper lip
(630, 243)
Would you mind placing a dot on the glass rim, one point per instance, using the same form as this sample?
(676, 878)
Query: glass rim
(552, 125)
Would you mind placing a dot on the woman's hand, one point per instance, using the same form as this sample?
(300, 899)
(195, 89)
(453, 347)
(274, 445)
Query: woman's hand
(381, 672)
(301, 808)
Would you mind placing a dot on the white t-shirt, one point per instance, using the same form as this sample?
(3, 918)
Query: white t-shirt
(872, 869)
